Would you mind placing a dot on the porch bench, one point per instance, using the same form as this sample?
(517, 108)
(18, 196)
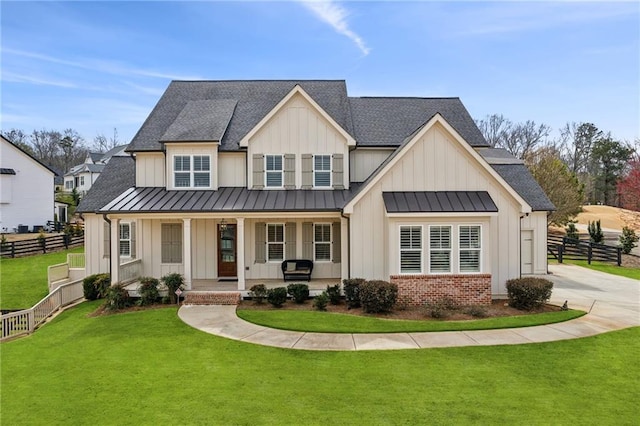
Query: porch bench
(297, 268)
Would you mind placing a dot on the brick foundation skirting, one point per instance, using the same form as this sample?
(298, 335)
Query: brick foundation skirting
(211, 298)
(468, 289)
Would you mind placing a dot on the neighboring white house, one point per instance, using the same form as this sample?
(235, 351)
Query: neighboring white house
(82, 176)
(26, 189)
(228, 180)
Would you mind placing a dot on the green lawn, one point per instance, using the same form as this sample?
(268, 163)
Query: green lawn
(150, 368)
(622, 271)
(326, 322)
(23, 280)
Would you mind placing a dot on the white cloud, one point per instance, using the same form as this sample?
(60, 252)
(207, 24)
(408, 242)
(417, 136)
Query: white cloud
(335, 15)
(17, 78)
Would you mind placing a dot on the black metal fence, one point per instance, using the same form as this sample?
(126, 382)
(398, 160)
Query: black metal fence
(561, 248)
(40, 245)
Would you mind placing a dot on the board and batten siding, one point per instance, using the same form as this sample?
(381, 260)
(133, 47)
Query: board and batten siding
(363, 162)
(96, 260)
(435, 163)
(537, 222)
(298, 129)
(150, 169)
(232, 169)
(150, 248)
(195, 148)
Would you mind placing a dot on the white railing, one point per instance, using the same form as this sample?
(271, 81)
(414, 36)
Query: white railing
(25, 321)
(130, 271)
(75, 260)
(57, 272)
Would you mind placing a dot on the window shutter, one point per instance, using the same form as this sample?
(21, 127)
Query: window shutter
(261, 243)
(133, 240)
(307, 171)
(258, 171)
(290, 240)
(337, 169)
(107, 240)
(307, 240)
(289, 171)
(337, 242)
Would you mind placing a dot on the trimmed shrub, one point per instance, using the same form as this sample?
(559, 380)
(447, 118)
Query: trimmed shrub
(378, 296)
(595, 232)
(333, 292)
(173, 282)
(95, 286)
(477, 311)
(117, 297)
(352, 291)
(277, 296)
(298, 292)
(628, 240)
(320, 301)
(572, 231)
(440, 308)
(528, 293)
(258, 293)
(148, 290)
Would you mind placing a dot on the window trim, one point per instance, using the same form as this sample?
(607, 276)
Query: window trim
(120, 239)
(329, 172)
(269, 243)
(191, 171)
(479, 249)
(330, 242)
(401, 250)
(450, 250)
(267, 171)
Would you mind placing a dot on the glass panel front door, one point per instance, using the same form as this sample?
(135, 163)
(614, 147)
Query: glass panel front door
(227, 266)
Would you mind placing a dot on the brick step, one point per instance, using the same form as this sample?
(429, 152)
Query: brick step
(212, 298)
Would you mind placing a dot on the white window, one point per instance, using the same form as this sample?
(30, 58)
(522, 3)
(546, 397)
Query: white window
(411, 249)
(470, 246)
(273, 171)
(81, 180)
(125, 239)
(68, 184)
(322, 242)
(439, 249)
(192, 171)
(171, 243)
(322, 171)
(275, 242)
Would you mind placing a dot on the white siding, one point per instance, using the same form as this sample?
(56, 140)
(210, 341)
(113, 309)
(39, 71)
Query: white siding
(150, 248)
(537, 222)
(95, 260)
(150, 169)
(299, 129)
(232, 169)
(192, 149)
(435, 163)
(204, 240)
(31, 190)
(363, 161)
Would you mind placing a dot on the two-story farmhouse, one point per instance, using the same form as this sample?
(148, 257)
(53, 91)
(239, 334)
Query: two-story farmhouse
(228, 179)
(83, 176)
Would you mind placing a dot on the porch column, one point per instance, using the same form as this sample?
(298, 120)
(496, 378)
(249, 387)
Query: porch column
(186, 238)
(240, 252)
(115, 251)
(344, 248)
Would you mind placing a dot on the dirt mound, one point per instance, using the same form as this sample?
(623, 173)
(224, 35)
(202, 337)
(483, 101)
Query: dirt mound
(610, 217)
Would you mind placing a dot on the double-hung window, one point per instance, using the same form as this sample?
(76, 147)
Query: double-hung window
(192, 171)
(125, 239)
(411, 249)
(81, 180)
(275, 242)
(273, 171)
(322, 242)
(439, 249)
(322, 171)
(470, 246)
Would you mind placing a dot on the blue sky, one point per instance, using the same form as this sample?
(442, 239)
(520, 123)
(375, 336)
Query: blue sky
(93, 66)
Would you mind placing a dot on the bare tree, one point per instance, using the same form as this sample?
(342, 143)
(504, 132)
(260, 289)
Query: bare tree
(103, 144)
(20, 139)
(494, 128)
(519, 139)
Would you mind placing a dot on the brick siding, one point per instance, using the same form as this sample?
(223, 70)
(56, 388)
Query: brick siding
(415, 290)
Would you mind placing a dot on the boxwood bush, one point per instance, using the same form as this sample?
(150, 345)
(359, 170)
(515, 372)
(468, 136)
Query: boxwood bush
(173, 282)
(148, 290)
(258, 293)
(277, 296)
(528, 293)
(378, 296)
(299, 292)
(333, 292)
(117, 297)
(95, 286)
(320, 301)
(352, 291)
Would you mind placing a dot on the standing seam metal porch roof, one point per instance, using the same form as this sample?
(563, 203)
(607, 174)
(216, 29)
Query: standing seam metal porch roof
(160, 200)
(439, 202)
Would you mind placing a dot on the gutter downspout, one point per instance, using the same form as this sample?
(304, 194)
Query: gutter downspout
(348, 243)
(106, 219)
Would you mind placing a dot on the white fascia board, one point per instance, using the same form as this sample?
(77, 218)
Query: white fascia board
(244, 142)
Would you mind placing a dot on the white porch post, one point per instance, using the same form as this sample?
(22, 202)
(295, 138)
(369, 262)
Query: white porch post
(240, 252)
(186, 238)
(344, 247)
(115, 251)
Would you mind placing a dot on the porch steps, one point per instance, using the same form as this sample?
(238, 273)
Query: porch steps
(212, 298)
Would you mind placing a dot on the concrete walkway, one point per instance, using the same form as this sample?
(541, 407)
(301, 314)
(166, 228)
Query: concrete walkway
(613, 303)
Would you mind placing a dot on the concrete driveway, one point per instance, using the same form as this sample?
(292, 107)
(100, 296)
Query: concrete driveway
(612, 303)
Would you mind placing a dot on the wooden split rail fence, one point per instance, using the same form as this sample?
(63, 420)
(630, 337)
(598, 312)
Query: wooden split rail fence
(36, 246)
(561, 248)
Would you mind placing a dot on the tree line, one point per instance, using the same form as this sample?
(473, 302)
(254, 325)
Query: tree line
(60, 150)
(583, 165)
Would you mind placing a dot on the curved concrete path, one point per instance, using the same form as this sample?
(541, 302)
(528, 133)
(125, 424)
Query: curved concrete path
(613, 303)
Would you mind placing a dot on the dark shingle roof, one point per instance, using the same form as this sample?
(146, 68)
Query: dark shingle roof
(255, 99)
(116, 177)
(201, 121)
(521, 180)
(439, 202)
(388, 121)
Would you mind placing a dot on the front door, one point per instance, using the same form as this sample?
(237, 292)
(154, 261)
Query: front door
(526, 238)
(227, 266)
